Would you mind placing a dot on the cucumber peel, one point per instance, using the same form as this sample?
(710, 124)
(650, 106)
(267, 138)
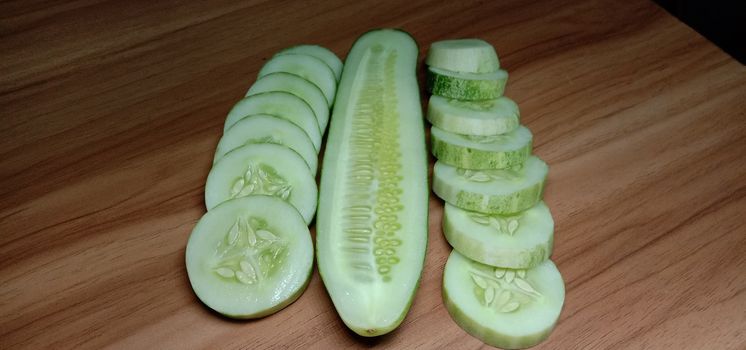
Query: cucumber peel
(466, 86)
(479, 118)
(482, 152)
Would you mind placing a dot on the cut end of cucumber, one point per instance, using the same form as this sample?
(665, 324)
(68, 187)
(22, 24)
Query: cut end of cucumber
(463, 55)
(306, 66)
(319, 52)
(479, 118)
(466, 86)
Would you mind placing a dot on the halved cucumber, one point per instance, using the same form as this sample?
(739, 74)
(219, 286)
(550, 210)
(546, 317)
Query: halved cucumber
(279, 104)
(307, 67)
(297, 86)
(263, 168)
(482, 152)
(491, 191)
(463, 55)
(249, 257)
(319, 52)
(264, 128)
(372, 220)
(519, 241)
(483, 118)
(466, 86)
(510, 309)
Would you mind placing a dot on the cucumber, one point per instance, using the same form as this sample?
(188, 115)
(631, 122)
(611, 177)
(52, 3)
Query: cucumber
(482, 152)
(307, 67)
(319, 52)
(466, 86)
(519, 241)
(491, 191)
(263, 168)
(263, 128)
(297, 86)
(372, 220)
(279, 104)
(482, 118)
(249, 257)
(463, 55)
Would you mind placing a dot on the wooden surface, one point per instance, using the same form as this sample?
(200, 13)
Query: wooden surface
(111, 111)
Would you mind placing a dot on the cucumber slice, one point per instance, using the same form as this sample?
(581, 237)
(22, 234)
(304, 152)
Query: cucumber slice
(279, 104)
(319, 52)
(263, 128)
(297, 86)
(466, 86)
(263, 168)
(307, 67)
(482, 152)
(482, 118)
(372, 221)
(249, 257)
(463, 55)
(491, 191)
(519, 241)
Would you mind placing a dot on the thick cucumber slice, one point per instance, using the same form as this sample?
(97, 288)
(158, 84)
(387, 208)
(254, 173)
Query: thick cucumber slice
(297, 86)
(263, 168)
(510, 309)
(307, 67)
(279, 104)
(372, 220)
(319, 52)
(463, 55)
(481, 118)
(482, 152)
(249, 257)
(466, 86)
(520, 241)
(491, 191)
(263, 128)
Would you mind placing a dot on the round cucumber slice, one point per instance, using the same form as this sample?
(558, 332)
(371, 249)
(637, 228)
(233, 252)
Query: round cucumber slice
(466, 86)
(249, 257)
(510, 309)
(491, 191)
(297, 86)
(482, 118)
(319, 52)
(263, 128)
(463, 55)
(279, 104)
(307, 67)
(263, 168)
(482, 152)
(519, 241)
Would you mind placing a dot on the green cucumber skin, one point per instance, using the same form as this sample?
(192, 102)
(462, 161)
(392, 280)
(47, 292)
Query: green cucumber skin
(471, 158)
(464, 89)
(456, 120)
(492, 204)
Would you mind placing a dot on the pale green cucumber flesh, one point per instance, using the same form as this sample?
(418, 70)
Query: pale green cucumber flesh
(510, 309)
(297, 86)
(249, 257)
(372, 218)
(518, 241)
(463, 55)
(263, 168)
(307, 67)
(466, 86)
(491, 191)
(319, 52)
(481, 118)
(505, 151)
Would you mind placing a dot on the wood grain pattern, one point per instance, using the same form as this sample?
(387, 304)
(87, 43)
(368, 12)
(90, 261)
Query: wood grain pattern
(110, 112)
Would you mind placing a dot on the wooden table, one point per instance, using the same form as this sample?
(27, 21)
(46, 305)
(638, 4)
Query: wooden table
(111, 111)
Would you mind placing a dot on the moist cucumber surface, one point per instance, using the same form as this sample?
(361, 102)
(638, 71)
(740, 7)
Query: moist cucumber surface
(319, 52)
(249, 257)
(466, 86)
(482, 152)
(463, 55)
(307, 67)
(480, 118)
(297, 86)
(372, 218)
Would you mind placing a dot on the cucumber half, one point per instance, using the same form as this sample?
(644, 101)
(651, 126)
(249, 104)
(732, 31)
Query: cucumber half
(319, 52)
(482, 118)
(463, 55)
(510, 309)
(297, 86)
(249, 257)
(466, 86)
(482, 152)
(307, 67)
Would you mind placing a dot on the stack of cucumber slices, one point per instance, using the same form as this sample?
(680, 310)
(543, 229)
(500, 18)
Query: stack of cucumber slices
(499, 284)
(251, 254)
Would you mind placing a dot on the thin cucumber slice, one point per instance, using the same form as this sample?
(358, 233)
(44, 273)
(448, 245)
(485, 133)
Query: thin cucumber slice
(264, 128)
(372, 220)
(466, 86)
(307, 67)
(480, 118)
(263, 168)
(482, 152)
(491, 191)
(319, 52)
(463, 55)
(297, 86)
(249, 257)
(519, 241)
(510, 309)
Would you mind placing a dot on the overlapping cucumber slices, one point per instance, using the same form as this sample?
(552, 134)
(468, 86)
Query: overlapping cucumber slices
(499, 284)
(251, 254)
